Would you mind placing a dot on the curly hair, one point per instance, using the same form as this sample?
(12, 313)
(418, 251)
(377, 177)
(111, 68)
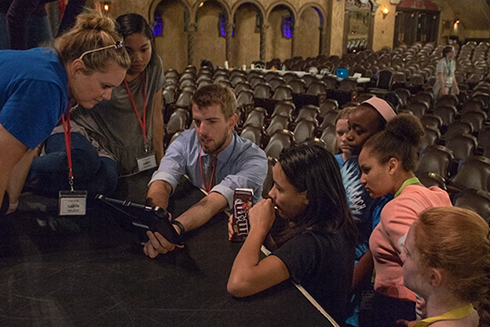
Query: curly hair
(400, 139)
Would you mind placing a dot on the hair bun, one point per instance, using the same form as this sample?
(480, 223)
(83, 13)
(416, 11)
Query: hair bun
(95, 20)
(406, 127)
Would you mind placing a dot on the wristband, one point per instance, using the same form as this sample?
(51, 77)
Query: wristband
(179, 224)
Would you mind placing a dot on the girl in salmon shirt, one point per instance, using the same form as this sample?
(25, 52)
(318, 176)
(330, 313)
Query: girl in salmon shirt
(387, 162)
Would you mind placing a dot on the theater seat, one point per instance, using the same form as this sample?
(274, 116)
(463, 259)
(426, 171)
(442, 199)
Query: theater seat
(446, 113)
(298, 86)
(245, 99)
(279, 140)
(307, 111)
(278, 122)
(316, 88)
(305, 129)
(262, 91)
(283, 108)
(328, 105)
(476, 117)
(462, 145)
(329, 118)
(404, 96)
(241, 86)
(484, 140)
(431, 120)
(184, 100)
(474, 173)
(435, 159)
(447, 100)
(458, 127)
(283, 93)
(329, 136)
(253, 133)
(431, 137)
(178, 121)
(432, 179)
(417, 108)
(472, 104)
(476, 200)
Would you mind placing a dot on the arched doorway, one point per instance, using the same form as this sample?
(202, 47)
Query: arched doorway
(309, 32)
(210, 40)
(281, 23)
(172, 43)
(248, 20)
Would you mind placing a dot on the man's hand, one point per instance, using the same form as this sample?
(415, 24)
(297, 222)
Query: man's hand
(158, 244)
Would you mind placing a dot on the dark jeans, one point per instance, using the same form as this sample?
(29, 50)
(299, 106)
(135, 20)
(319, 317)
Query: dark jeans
(94, 174)
(385, 311)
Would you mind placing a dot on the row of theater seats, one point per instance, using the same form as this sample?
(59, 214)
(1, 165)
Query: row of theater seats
(455, 152)
(408, 67)
(453, 125)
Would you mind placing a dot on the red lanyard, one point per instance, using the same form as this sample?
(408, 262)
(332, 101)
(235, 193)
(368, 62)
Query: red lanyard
(141, 121)
(67, 131)
(207, 188)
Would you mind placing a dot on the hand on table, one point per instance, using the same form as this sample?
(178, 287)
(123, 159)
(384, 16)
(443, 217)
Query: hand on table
(158, 244)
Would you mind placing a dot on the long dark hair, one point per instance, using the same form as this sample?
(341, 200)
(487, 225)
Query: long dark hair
(311, 168)
(131, 23)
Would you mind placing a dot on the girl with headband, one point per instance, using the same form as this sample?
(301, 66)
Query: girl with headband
(364, 121)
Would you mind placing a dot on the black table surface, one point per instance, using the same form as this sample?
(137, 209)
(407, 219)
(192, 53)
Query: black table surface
(99, 276)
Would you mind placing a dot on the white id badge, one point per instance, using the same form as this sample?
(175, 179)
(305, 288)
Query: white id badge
(72, 203)
(146, 162)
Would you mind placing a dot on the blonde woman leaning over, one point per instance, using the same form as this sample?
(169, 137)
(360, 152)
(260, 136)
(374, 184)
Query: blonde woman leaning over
(38, 85)
(447, 262)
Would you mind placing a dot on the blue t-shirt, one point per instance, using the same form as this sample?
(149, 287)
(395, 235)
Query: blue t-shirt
(359, 202)
(339, 159)
(33, 93)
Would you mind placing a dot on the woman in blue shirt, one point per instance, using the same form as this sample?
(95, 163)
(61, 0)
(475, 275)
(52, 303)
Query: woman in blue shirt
(38, 85)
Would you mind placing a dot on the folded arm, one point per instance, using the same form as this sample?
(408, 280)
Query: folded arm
(250, 275)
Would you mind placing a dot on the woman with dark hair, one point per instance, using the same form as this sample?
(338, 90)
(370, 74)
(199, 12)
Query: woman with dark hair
(119, 137)
(387, 162)
(447, 262)
(317, 248)
(445, 81)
